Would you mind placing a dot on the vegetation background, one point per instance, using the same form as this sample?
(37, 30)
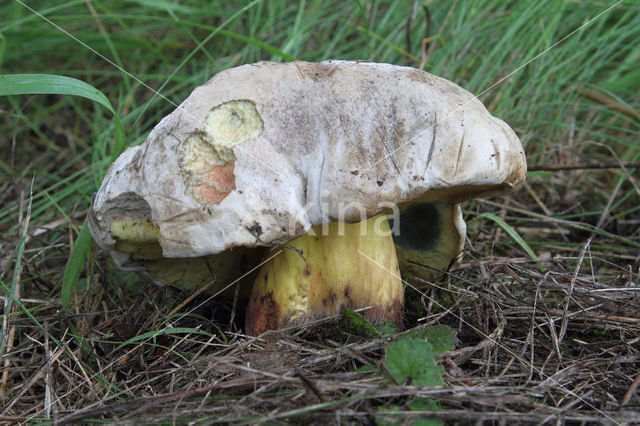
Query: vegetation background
(545, 305)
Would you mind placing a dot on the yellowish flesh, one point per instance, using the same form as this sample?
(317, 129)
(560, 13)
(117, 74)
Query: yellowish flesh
(135, 229)
(319, 275)
(140, 251)
(139, 238)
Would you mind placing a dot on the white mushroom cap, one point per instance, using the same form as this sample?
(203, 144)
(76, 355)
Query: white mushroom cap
(262, 152)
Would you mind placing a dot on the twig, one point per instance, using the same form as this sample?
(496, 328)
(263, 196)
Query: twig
(310, 385)
(583, 166)
(463, 354)
(407, 27)
(32, 381)
(232, 317)
(565, 318)
(84, 372)
(441, 29)
(629, 393)
(365, 360)
(142, 404)
(425, 39)
(36, 231)
(607, 100)
(510, 417)
(544, 208)
(570, 223)
(584, 315)
(49, 403)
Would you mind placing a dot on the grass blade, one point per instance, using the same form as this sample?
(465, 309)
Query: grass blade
(33, 84)
(14, 282)
(514, 234)
(48, 84)
(73, 268)
(165, 331)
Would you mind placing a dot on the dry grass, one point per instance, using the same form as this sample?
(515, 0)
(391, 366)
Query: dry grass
(535, 347)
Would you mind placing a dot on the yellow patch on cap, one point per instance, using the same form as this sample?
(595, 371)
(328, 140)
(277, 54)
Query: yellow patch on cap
(232, 123)
(207, 157)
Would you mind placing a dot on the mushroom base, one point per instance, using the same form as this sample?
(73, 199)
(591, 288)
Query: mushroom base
(332, 267)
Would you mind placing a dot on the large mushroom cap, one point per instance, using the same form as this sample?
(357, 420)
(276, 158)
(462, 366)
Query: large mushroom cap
(262, 152)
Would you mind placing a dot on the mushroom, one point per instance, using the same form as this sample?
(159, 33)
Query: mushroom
(351, 172)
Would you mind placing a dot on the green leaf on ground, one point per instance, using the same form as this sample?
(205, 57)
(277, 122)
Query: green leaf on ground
(412, 361)
(424, 404)
(442, 337)
(387, 329)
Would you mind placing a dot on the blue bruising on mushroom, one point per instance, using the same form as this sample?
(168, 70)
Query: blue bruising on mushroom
(420, 227)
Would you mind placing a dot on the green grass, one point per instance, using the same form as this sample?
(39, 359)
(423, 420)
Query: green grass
(544, 67)
(151, 46)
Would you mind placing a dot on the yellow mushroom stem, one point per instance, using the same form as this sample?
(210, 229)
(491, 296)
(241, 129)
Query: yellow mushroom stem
(330, 268)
